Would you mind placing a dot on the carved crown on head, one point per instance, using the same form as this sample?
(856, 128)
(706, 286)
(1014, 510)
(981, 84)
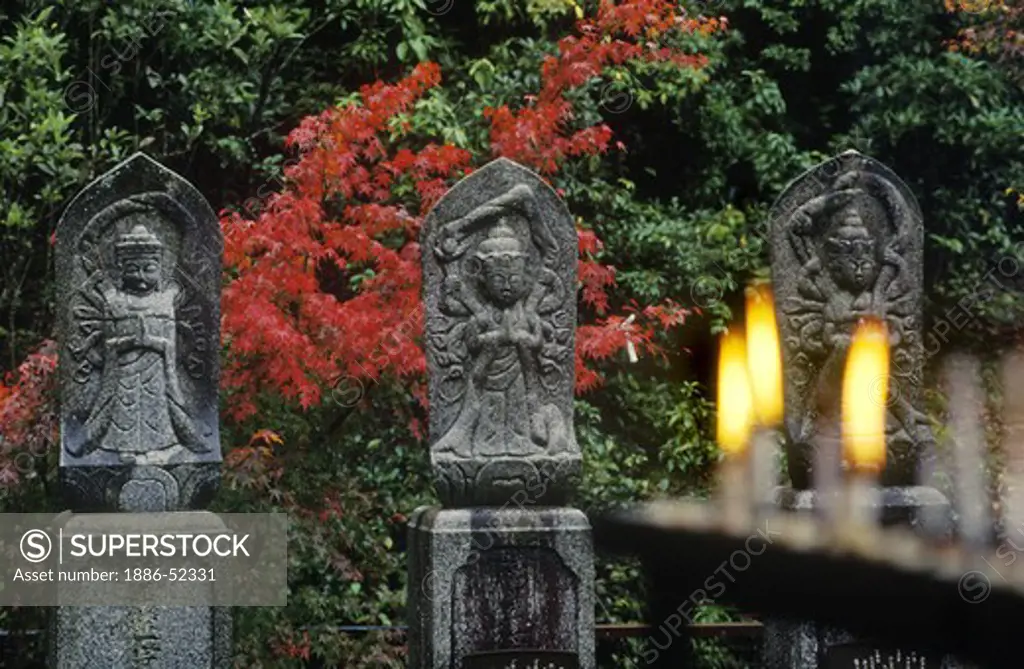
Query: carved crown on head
(138, 243)
(501, 240)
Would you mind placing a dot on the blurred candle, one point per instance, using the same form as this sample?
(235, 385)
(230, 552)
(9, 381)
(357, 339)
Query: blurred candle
(865, 396)
(764, 365)
(735, 419)
(735, 403)
(763, 358)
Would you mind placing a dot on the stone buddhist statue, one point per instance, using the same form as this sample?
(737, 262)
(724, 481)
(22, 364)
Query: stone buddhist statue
(499, 268)
(138, 272)
(140, 407)
(846, 244)
(503, 568)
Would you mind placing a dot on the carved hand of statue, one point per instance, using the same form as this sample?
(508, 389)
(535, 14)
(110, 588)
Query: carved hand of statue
(863, 305)
(524, 329)
(528, 337)
(121, 344)
(486, 333)
(838, 338)
(159, 344)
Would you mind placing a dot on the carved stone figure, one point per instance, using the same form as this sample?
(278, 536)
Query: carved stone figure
(138, 272)
(499, 257)
(140, 407)
(847, 243)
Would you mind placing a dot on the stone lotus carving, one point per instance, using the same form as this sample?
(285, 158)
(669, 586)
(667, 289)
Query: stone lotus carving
(138, 274)
(847, 243)
(499, 255)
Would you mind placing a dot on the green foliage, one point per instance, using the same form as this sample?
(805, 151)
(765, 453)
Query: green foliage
(40, 160)
(210, 88)
(205, 87)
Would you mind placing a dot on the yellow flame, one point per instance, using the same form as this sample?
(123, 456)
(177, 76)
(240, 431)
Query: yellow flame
(763, 358)
(865, 394)
(735, 405)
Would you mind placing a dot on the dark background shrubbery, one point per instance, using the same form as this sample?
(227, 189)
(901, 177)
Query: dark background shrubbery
(212, 92)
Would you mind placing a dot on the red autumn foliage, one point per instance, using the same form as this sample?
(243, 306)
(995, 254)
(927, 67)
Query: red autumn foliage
(28, 422)
(292, 320)
(994, 28)
(293, 645)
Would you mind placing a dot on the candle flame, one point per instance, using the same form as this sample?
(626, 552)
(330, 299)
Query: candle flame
(735, 404)
(763, 358)
(865, 396)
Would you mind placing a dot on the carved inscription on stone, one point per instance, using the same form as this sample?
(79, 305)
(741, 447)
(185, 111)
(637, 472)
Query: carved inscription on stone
(522, 659)
(145, 643)
(846, 244)
(860, 656)
(499, 254)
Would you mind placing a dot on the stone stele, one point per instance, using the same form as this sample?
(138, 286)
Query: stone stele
(138, 302)
(508, 572)
(499, 272)
(846, 243)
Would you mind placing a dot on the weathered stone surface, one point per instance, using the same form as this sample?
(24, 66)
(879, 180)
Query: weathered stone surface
(525, 659)
(486, 580)
(127, 637)
(499, 270)
(846, 243)
(138, 301)
(144, 634)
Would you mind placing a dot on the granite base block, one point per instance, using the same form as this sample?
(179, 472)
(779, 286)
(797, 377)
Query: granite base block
(142, 633)
(486, 579)
(126, 637)
(808, 645)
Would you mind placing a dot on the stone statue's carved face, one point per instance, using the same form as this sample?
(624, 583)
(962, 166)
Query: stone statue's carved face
(140, 275)
(503, 266)
(138, 259)
(505, 277)
(851, 254)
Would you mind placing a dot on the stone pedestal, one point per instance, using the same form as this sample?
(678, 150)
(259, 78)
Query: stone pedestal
(516, 580)
(126, 637)
(808, 645)
(163, 624)
(138, 256)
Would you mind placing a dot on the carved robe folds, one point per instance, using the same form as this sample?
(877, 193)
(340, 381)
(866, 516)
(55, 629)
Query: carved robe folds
(499, 255)
(140, 407)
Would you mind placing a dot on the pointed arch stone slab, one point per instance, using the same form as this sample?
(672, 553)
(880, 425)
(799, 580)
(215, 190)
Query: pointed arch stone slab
(138, 258)
(499, 254)
(847, 240)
